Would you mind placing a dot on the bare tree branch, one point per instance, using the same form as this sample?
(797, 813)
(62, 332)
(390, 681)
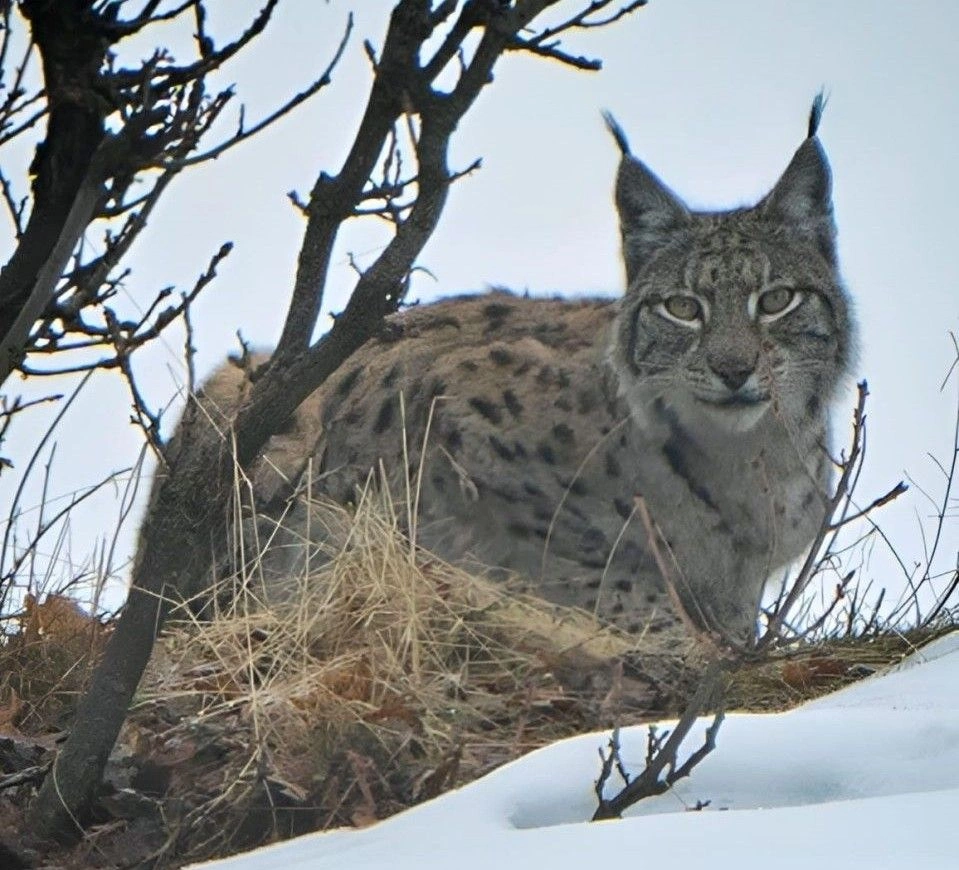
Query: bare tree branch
(725, 654)
(242, 134)
(849, 470)
(663, 768)
(189, 514)
(83, 173)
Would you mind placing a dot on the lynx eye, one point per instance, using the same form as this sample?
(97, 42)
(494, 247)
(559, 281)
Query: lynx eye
(775, 301)
(683, 308)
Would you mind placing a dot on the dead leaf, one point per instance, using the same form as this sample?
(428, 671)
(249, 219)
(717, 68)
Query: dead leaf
(813, 671)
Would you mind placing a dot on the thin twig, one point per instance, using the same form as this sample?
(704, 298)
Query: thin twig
(848, 467)
(663, 769)
(243, 135)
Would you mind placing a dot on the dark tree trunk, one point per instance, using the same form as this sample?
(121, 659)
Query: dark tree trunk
(72, 48)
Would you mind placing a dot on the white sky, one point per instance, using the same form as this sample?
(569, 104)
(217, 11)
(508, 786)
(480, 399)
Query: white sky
(713, 96)
(865, 778)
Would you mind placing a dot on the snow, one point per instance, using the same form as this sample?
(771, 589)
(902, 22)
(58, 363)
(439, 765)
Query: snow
(866, 777)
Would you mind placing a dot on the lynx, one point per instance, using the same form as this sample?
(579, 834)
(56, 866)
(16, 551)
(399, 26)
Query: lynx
(701, 396)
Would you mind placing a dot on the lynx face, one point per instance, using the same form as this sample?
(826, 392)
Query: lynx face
(733, 316)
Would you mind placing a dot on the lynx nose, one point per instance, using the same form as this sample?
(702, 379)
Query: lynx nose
(734, 378)
(733, 373)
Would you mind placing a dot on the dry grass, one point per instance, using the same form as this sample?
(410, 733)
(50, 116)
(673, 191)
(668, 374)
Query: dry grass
(45, 665)
(383, 678)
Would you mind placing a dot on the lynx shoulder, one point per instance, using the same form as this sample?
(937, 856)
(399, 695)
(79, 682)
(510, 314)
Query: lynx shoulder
(539, 423)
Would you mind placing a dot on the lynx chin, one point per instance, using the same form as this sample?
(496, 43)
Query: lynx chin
(705, 389)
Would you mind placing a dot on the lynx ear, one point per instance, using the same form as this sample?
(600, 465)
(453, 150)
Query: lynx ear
(649, 212)
(802, 198)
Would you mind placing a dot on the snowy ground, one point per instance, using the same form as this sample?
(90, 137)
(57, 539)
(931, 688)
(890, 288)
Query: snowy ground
(868, 777)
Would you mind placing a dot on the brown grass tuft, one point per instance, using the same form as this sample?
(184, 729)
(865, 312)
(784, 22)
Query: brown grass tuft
(383, 678)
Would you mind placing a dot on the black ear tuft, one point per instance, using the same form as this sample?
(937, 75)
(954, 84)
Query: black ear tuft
(815, 113)
(802, 198)
(649, 212)
(617, 132)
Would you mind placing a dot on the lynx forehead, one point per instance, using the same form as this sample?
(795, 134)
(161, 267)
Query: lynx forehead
(705, 390)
